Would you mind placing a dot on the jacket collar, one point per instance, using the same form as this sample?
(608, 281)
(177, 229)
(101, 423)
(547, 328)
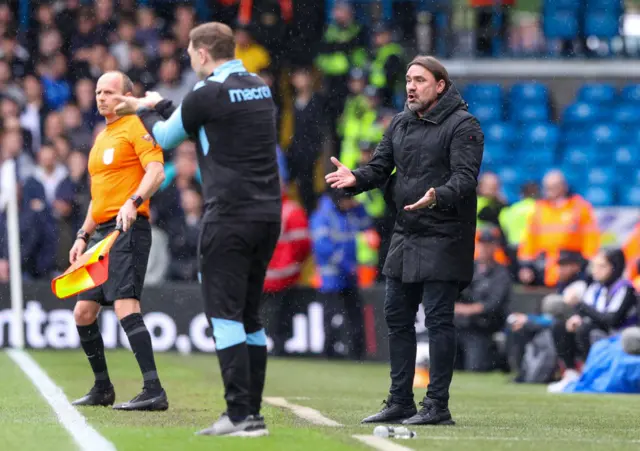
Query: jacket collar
(450, 102)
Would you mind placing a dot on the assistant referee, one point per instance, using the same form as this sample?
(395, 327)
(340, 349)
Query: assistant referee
(231, 115)
(126, 167)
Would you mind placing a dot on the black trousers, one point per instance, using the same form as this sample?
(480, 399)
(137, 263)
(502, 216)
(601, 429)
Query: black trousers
(476, 350)
(572, 346)
(517, 345)
(278, 308)
(400, 308)
(233, 260)
(348, 301)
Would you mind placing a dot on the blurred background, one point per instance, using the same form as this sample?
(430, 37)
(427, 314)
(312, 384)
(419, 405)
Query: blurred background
(555, 85)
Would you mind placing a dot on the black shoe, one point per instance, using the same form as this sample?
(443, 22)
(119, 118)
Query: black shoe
(146, 401)
(431, 413)
(97, 396)
(392, 413)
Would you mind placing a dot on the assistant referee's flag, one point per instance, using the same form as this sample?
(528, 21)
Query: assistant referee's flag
(89, 271)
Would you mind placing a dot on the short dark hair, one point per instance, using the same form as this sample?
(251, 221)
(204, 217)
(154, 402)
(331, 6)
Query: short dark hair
(216, 38)
(435, 67)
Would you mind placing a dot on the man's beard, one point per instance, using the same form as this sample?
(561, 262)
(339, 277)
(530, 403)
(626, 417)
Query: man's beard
(421, 107)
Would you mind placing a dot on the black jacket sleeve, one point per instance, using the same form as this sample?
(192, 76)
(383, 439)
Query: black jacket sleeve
(467, 147)
(610, 320)
(165, 108)
(376, 173)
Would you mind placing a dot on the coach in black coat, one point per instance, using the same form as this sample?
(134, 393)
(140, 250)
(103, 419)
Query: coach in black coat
(436, 147)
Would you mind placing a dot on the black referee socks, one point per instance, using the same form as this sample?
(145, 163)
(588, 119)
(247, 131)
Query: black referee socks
(140, 341)
(91, 340)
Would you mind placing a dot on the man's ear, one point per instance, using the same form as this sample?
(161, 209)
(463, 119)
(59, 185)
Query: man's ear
(441, 86)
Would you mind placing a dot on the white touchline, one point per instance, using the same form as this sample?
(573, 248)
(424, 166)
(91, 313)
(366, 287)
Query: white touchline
(307, 413)
(380, 443)
(87, 438)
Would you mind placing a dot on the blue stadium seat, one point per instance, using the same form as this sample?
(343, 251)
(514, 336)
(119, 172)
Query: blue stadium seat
(560, 25)
(574, 174)
(605, 5)
(561, 5)
(530, 113)
(536, 157)
(581, 112)
(630, 195)
(532, 92)
(630, 93)
(499, 133)
(541, 135)
(602, 24)
(483, 93)
(496, 153)
(510, 175)
(626, 114)
(606, 134)
(599, 196)
(486, 113)
(578, 155)
(576, 136)
(601, 175)
(629, 176)
(596, 93)
(626, 155)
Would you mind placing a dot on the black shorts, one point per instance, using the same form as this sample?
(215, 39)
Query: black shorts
(128, 260)
(233, 260)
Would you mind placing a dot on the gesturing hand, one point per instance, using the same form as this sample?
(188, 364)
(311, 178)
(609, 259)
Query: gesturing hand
(425, 201)
(342, 178)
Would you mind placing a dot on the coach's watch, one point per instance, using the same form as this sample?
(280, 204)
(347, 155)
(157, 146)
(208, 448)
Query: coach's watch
(137, 200)
(82, 235)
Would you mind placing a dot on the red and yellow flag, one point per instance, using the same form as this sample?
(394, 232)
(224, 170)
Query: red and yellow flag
(89, 271)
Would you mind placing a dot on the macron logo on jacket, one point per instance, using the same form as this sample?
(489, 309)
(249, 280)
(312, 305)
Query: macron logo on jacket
(243, 95)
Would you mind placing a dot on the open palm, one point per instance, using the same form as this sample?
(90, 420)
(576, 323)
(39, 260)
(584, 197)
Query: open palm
(342, 177)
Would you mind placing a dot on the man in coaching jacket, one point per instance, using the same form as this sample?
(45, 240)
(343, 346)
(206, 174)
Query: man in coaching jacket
(436, 147)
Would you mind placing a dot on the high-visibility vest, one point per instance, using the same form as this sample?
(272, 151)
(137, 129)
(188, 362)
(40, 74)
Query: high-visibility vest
(513, 220)
(552, 228)
(631, 251)
(378, 77)
(338, 63)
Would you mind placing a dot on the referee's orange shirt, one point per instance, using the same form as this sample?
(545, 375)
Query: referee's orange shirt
(116, 166)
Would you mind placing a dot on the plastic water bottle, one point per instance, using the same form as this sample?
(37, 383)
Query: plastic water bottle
(392, 432)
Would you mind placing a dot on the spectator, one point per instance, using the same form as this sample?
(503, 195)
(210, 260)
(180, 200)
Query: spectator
(7, 86)
(631, 251)
(293, 248)
(78, 175)
(608, 306)
(66, 21)
(53, 127)
(513, 220)
(185, 267)
(560, 221)
(139, 71)
(105, 22)
(13, 148)
(485, 24)
(35, 110)
(334, 226)
(387, 65)
(254, 56)
(357, 117)
(306, 142)
(490, 201)
(12, 123)
(49, 172)
(79, 133)
(65, 221)
(57, 91)
(37, 233)
(86, 100)
(14, 54)
(482, 310)
(148, 31)
(170, 85)
(525, 328)
(124, 45)
(85, 35)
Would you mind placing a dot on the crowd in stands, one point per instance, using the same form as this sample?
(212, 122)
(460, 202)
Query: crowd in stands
(333, 98)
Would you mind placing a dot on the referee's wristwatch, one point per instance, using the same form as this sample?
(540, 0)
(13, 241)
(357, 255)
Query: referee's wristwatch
(82, 235)
(137, 200)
